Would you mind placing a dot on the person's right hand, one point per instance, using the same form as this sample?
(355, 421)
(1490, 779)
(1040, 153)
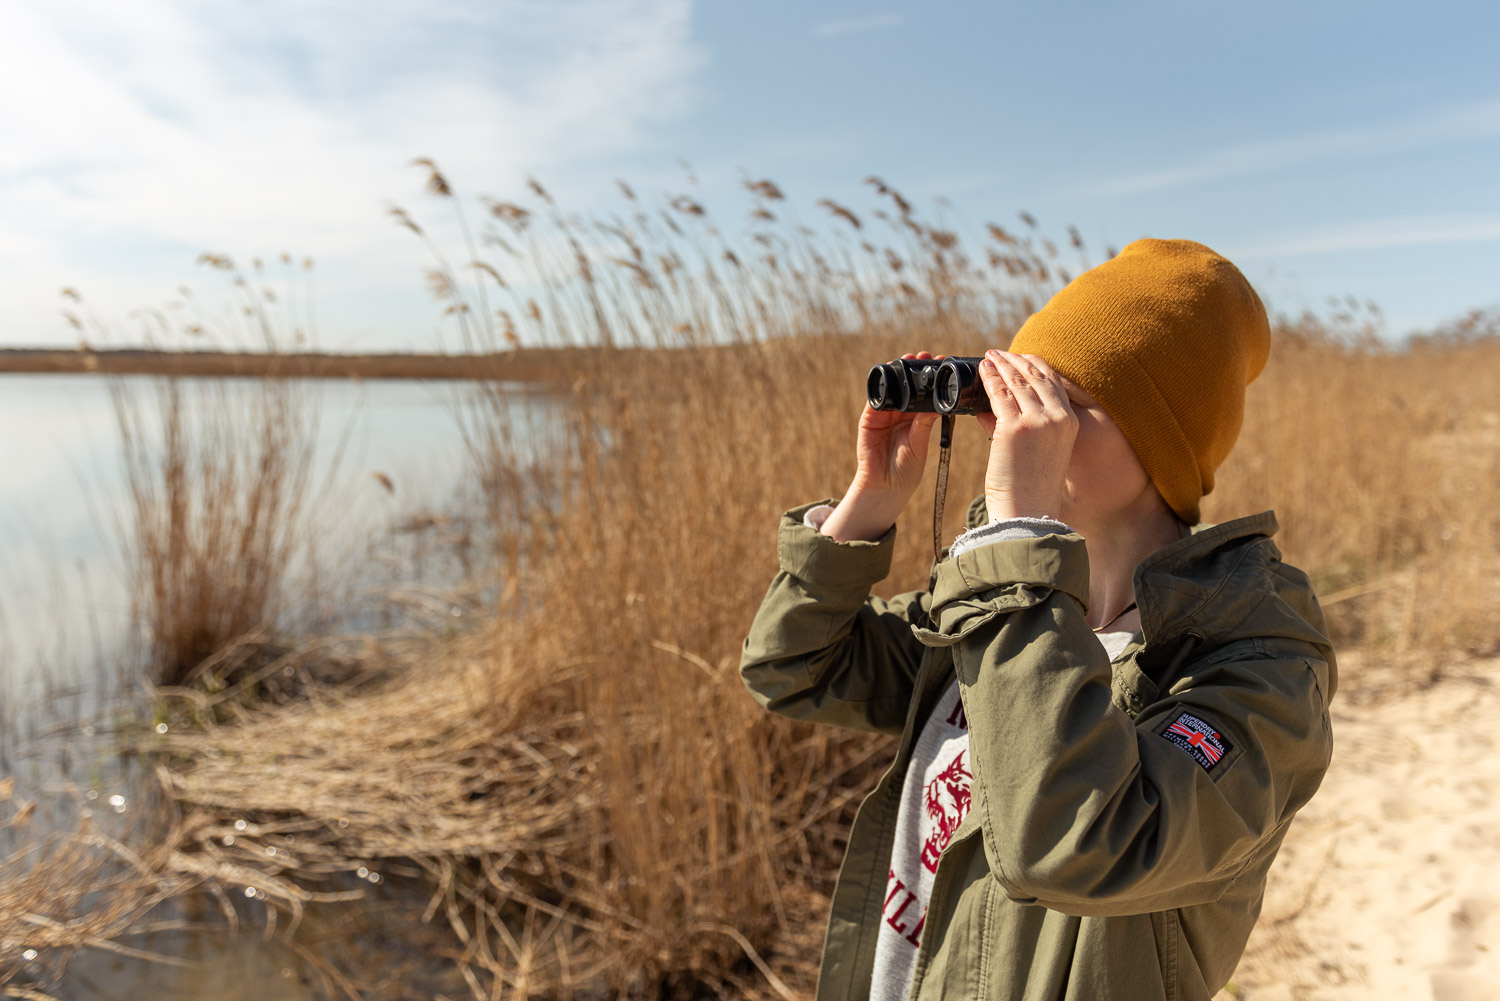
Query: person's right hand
(892, 453)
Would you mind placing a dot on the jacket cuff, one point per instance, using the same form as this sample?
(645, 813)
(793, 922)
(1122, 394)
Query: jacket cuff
(1008, 528)
(812, 556)
(1004, 576)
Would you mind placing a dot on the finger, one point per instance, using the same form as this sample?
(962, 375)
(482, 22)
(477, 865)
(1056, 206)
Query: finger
(1041, 369)
(1002, 400)
(1041, 363)
(879, 420)
(1021, 389)
(919, 435)
(1043, 380)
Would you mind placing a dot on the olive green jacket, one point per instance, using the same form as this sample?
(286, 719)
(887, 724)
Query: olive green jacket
(1102, 857)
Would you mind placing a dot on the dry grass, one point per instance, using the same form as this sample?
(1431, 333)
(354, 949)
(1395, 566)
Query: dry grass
(1381, 465)
(217, 475)
(74, 890)
(598, 807)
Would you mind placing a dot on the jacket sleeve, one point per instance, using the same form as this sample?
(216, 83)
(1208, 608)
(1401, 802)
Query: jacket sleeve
(822, 648)
(1082, 809)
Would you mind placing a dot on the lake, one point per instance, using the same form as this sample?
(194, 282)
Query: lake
(388, 453)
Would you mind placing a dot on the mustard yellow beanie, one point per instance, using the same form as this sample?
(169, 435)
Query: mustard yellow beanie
(1166, 336)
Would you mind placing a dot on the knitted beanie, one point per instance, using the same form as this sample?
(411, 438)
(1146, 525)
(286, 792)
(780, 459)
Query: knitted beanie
(1166, 336)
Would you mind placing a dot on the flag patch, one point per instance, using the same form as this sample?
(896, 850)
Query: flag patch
(1206, 745)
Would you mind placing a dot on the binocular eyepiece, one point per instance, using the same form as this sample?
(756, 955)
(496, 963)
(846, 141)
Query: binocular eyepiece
(928, 385)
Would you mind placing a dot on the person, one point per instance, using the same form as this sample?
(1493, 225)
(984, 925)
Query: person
(1109, 712)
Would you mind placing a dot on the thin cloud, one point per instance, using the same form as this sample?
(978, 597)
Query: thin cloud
(156, 130)
(1480, 120)
(1376, 234)
(856, 25)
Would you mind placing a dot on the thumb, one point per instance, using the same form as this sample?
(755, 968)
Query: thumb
(921, 430)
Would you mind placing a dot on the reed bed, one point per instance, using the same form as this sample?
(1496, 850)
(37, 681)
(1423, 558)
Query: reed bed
(591, 803)
(1381, 463)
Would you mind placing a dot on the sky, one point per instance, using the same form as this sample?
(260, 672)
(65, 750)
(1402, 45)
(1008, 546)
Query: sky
(1329, 148)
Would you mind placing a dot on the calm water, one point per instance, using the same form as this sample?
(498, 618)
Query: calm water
(63, 603)
(69, 669)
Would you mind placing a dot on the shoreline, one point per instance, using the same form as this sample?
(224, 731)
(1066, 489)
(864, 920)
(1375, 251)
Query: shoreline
(521, 365)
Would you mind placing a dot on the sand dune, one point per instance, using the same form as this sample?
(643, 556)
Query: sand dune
(1389, 883)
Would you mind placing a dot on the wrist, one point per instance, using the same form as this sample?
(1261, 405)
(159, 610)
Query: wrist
(1010, 508)
(863, 515)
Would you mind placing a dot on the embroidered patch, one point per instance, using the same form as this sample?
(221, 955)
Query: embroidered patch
(1206, 745)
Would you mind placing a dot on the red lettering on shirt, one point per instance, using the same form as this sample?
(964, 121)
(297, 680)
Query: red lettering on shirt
(957, 717)
(897, 888)
(891, 920)
(915, 938)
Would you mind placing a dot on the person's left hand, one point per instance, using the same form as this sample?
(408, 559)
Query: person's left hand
(1031, 431)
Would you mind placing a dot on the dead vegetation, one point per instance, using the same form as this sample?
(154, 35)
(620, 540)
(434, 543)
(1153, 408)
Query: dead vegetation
(217, 476)
(595, 805)
(72, 890)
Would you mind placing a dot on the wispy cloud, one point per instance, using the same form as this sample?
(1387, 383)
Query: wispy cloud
(153, 130)
(1375, 234)
(1480, 120)
(856, 25)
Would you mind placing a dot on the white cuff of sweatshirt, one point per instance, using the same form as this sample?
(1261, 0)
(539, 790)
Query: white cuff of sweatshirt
(995, 531)
(1006, 528)
(815, 517)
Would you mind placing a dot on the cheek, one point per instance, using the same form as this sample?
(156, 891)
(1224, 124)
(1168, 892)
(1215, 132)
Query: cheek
(1104, 465)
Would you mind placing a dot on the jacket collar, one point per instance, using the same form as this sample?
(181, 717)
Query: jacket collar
(1227, 583)
(1224, 582)
(1187, 585)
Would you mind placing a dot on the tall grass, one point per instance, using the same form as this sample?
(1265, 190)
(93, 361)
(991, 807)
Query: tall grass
(613, 811)
(595, 803)
(1381, 463)
(217, 478)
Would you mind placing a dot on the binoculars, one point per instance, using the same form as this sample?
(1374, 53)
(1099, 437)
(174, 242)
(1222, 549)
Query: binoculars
(948, 386)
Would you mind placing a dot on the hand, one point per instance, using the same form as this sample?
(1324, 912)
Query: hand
(1031, 431)
(892, 452)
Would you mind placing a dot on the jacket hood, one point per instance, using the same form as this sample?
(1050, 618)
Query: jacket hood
(1223, 584)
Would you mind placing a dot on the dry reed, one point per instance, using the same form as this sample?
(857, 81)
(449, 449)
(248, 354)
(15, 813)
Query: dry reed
(642, 828)
(215, 488)
(72, 890)
(1381, 463)
(598, 806)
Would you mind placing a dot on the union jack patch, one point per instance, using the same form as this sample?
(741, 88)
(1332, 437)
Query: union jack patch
(1205, 744)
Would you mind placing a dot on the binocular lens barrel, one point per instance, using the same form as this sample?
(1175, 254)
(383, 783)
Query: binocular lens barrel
(958, 389)
(928, 385)
(888, 388)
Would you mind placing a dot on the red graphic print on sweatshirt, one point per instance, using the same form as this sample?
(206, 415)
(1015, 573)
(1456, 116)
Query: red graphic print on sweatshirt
(946, 800)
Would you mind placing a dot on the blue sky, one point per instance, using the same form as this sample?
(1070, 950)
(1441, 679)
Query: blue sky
(1328, 148)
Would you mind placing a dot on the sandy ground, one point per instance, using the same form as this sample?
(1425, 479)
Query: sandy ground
(1389, 883)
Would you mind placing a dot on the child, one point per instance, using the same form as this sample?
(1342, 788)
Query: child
(1109, 713)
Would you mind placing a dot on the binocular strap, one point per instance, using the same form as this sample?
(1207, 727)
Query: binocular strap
(945, 452)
